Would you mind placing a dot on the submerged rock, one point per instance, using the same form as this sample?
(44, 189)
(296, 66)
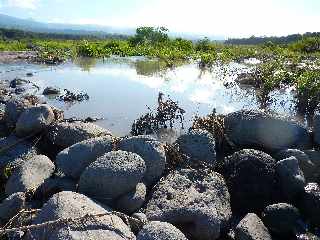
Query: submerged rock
(34, 120)
(51, 91)
(74, 159)
(30, 175)
(199, 203)
(70, 205)
(151, 151)
(251, 178)
(198, 146)
(282, 219)
(257, 129)
(251, 228)
(112, 175)
(160, 231)
(64, 134)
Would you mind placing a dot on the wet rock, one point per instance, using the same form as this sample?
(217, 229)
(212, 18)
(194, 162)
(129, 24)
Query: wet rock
(151, 151)
(196, 201)
(74, 159)
(64, 134)
(251, 228)
(52, 186)
(310, 203)
(73, 205)
(11, 206)
(29, 74)
(291, 178)
(30, 175)
(133, 200)
(34, 120)
(13, 109)
(51, 91)
(14, 151)
(198, 146)
(257, 129)
(251, 178)
(112, 175)
(306, 165)
(281, 219)
(160, 231)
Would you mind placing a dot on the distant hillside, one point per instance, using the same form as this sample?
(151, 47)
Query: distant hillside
(279, 40)
(34, 26)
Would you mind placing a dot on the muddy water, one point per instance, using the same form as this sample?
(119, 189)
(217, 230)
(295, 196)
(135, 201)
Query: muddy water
(121, 89)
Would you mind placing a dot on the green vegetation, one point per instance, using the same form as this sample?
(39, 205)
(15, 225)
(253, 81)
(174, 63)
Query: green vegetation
(295, 63)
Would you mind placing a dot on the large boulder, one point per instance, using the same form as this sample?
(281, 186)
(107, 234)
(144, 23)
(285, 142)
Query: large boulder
(112, 175)
(198, 146)
(133, 200)
(151, 151)
(156, 230)
(282, 219)
(251, 178)
(13, 109)
(74, 159)
(196, 201)
(30, 175)
(314, 156)
(257, 129)
(15, 151)
(34, 120)
(70, 205)
(310, 203)
(291, 178)
(306, 165)
(11, 206)
(251, 228)
(65, 134)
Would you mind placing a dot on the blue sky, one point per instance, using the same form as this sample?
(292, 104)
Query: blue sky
(213, 17)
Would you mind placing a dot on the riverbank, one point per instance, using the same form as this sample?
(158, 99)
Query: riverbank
(237, 178)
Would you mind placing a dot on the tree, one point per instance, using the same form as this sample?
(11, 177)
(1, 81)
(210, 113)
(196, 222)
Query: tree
(150, 35)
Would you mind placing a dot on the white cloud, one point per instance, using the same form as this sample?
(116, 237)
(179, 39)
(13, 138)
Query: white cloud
(28, 4)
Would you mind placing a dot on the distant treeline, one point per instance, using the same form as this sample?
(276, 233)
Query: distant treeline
(14, 34)
(278, 40)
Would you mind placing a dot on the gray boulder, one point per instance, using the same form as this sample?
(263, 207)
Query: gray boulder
(34, 120)
(30, 175)
(306, 165)
(310, 203)
(151, 151)
(291, 178)
(11, 206)
(252, 228)
(74, 159)
(112, 175)
(160, 231)
(257, 129)
(14, 151)
(282, 219)
(13, 109)
(133, 200)
(65, 134)
(251, 179)
(198, 202)
(51, 91)
(198, 146)
(70, 205)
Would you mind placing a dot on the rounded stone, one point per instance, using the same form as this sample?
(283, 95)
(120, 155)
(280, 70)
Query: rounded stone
(151, 151)
(112, 175)
(160, 231)
(73, 160)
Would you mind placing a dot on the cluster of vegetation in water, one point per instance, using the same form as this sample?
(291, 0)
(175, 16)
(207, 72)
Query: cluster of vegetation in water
(296, 64)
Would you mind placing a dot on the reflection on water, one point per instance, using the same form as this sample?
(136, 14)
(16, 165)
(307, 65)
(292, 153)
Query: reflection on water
(121, 89)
